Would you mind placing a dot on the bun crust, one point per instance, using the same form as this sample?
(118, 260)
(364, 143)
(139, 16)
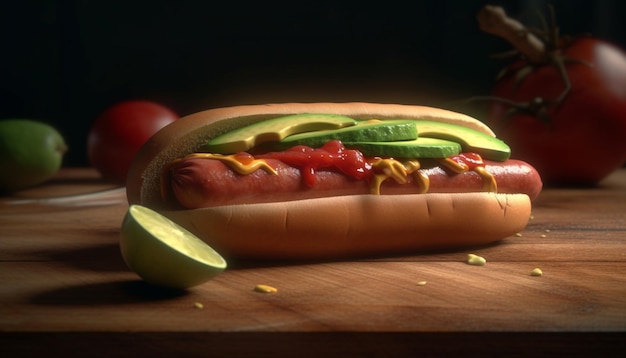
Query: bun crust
(358, 225)
(325, 228)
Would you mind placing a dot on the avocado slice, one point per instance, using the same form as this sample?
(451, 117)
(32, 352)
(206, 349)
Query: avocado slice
(364, 131)
(273, 130)
(421, 147)
(471, 140)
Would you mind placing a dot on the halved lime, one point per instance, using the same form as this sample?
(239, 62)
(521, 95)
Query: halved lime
(163, 253)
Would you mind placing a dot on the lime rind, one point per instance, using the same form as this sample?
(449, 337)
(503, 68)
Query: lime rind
(163, 253)
(175, 236)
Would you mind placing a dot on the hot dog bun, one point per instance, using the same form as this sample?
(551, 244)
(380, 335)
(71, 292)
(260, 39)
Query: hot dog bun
(357, 225)
(326, 227)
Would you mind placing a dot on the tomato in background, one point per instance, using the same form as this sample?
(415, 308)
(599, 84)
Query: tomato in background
(118, 133)
(561, 106)
(580, 140)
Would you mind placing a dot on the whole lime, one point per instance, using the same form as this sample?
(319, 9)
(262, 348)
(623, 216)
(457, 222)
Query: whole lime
(31, 152)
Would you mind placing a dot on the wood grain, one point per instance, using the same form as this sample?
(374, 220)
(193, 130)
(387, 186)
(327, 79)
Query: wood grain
(65, 287)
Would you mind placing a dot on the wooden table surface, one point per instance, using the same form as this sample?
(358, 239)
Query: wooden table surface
(64, 287)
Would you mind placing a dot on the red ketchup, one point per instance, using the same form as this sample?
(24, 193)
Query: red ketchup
(469, 161)
(333, 155)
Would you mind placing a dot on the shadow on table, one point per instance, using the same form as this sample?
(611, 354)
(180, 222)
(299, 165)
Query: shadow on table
(106, 293)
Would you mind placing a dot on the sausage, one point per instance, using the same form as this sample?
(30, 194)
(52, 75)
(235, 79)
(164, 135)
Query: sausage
(198, 182)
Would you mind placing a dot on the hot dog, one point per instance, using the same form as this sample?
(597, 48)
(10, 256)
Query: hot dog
(198, 183)
(282, 210)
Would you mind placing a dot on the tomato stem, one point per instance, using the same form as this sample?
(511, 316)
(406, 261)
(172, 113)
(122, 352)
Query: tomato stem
(538, 51)
(494, 20)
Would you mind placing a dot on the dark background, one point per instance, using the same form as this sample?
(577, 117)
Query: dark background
(63, 62)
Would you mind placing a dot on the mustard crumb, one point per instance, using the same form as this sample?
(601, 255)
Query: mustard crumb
(536, 272)
(265, 289)
(476, 260)
(421, 283)
(198, 305)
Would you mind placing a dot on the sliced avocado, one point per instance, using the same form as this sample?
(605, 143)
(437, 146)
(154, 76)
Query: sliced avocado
(364, 131)
(421, 147)
(245, 138)
(470, 139)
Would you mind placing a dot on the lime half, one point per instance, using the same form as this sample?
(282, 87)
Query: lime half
(163, 253)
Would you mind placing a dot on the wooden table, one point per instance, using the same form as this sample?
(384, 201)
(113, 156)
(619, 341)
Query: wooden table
(64, 288)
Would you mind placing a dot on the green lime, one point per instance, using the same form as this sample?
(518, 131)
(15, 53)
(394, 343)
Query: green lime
(164, 253)
(31, 152)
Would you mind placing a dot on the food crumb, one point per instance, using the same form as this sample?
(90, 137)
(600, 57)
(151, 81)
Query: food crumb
(421, 283)
(198, 305)
(547, 230)
(476, 260)
(536, 272)
(265, 289)
(543, 236)
(519, 234)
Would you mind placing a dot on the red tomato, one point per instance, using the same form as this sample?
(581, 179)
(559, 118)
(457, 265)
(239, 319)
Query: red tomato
(119, 132)
(581, 140)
